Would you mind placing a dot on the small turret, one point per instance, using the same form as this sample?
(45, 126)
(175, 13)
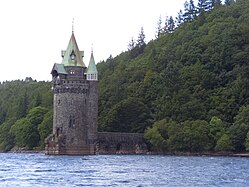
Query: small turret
(92, 73)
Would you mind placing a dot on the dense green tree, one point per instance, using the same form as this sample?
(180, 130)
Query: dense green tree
(45, 127)
(216, 130)
(19, 130)
(36, 115)
(6, 137)
(187, 136)
(157, 135)
(23, 105)
(17, 99)
(247, 141)
(224, 143)
(129, 115)
(240, 128)
(196, 135)
(25, 130)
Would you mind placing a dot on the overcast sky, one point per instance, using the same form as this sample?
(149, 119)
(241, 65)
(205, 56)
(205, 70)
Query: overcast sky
(33, 33)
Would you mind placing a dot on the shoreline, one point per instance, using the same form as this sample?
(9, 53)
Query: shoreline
(225, 154)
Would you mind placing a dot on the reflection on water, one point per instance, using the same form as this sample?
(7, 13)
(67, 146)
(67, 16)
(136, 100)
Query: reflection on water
(122, 170)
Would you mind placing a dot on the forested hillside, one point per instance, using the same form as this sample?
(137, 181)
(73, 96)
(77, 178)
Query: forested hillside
(188, 89)
(25, 113)
(190, 86)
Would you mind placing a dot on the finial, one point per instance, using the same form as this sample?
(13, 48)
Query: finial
(73, 25)
(92, 49)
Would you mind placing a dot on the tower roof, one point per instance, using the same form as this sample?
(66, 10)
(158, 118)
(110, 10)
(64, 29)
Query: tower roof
(92, 67)
(73, 56)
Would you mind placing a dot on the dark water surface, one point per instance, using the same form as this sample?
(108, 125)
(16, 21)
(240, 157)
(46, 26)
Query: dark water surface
(122, 170)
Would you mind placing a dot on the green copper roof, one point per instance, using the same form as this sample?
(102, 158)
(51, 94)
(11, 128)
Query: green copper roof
(72, 56)
(92, 67)
(59, 68)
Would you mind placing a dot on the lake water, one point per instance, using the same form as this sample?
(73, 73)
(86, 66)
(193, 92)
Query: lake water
(122, 170)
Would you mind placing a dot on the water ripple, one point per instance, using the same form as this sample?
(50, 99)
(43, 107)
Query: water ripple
(122, 170)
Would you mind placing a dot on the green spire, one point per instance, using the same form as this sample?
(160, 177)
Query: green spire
(92, 67)
(92, 73)
(72, 56)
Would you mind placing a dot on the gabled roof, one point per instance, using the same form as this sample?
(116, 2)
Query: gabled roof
(72, 49)
(92, 67)
(59, 68)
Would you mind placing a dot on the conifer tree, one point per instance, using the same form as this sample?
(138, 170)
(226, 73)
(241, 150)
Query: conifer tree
(201, 5)
(137, 48)
(131, 44)
(190, 11)
(141, 38)
(209, 5)
(179, 18)
(166, 25)
(171, 24)
(159, 27)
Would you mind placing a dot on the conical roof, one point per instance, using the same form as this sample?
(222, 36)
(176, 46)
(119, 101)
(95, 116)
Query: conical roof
(73, 56)
(92, 66)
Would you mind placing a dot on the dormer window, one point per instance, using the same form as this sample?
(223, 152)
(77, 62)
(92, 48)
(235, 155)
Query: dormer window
(72, 56)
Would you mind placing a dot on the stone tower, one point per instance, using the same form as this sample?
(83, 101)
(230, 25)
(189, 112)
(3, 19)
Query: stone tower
(75, 90)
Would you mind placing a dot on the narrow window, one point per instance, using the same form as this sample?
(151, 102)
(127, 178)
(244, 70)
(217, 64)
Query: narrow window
(70, 121)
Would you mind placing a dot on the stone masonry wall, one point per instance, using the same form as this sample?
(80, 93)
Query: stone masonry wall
(121, 143)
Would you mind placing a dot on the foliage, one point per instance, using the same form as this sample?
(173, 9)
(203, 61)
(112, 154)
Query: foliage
(26, 131)
(216, 130)
(45, 127)
(224, 143)
(127, 116)
(6, 137)
(137, 48)
(168, 135)
(157, 136)
(195, 74)
(247, 141)
(240, 128)
(23, 106)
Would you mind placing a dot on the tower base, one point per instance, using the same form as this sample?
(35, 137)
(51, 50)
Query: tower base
(54, 146)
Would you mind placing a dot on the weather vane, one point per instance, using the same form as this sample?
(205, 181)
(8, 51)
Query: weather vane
(73, 25)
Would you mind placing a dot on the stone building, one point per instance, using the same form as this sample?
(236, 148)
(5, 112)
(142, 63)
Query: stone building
(75, 90)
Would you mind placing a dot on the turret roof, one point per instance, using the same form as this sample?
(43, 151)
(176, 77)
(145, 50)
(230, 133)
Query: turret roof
(59, 68)
(73, 50)
(92, 66)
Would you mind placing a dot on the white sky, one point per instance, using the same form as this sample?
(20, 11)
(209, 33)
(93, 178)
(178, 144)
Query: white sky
(33, 33)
